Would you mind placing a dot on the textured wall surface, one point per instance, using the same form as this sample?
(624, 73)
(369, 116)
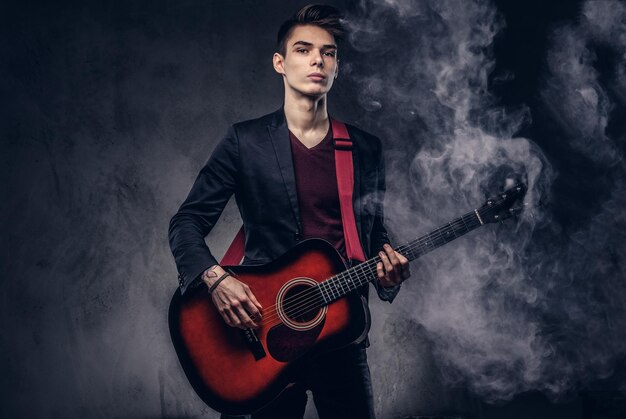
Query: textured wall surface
(109, 109)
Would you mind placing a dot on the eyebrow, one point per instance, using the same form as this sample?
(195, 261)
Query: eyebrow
(308, 44)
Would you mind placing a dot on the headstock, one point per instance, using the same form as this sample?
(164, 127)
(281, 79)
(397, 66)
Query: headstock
(500, 207)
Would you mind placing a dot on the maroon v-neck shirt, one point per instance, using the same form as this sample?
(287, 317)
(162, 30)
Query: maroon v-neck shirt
(318, 197)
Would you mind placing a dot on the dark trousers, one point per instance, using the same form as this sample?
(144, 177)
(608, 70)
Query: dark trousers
(341, 386)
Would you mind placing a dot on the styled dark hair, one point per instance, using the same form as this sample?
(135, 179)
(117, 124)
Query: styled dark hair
(326, 17)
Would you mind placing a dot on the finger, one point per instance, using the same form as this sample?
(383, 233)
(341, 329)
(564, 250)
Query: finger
(398, 270)
(235, 320)
(254, 300)
(237, 309)
(389, 271)
(252, 310)
(385, 261)
(391, 254)
(381, 275)
(404, 265)
(379, 271)
(227, 318)
(244, 318)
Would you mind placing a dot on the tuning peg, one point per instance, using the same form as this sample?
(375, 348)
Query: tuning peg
(519, 209)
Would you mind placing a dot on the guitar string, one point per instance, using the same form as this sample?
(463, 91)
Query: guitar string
(428, 242)
(313, 298)
(419, 245)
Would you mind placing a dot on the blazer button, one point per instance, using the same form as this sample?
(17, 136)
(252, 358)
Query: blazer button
(298, 237)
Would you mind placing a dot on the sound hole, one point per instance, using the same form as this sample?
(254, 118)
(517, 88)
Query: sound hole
(301, 320)
(299, 303)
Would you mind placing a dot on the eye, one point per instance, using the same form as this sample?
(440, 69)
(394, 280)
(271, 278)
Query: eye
(302, 50)
(330, 53)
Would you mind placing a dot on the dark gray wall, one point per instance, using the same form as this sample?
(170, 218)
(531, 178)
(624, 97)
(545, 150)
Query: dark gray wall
(109, 109)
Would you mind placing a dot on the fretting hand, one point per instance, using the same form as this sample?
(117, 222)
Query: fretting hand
(393, 268)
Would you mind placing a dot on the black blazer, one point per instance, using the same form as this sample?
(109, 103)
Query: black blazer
(254, 162)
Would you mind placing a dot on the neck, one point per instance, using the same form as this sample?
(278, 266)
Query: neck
(305, 113)
(358, 275)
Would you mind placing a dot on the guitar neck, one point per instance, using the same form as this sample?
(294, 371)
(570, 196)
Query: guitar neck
(358, 275)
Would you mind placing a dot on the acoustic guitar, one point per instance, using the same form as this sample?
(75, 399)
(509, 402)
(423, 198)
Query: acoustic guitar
(311, 305)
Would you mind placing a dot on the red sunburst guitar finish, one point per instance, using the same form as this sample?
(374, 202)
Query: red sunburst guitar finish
(310, 305)
(219, 360)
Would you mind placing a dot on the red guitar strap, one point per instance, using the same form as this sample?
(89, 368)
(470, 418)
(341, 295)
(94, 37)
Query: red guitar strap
(234, 254)
(345, 184)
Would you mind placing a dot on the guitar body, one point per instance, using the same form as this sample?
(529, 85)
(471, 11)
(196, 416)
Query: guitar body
(218, 359)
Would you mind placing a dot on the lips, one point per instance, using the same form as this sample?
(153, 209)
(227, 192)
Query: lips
(316, 76)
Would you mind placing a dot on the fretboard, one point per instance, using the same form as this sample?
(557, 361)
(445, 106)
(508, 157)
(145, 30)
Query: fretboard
(358, 275)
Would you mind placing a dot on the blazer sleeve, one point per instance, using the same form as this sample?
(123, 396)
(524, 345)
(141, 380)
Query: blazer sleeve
(379, 232)
(196, 217)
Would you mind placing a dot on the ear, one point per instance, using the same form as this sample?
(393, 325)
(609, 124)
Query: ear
(278, 61)
(337, 69)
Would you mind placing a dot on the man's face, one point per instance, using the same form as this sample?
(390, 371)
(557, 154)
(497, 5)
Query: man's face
(310, 63)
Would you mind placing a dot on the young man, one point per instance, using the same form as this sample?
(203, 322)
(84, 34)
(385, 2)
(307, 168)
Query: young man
(281, 168)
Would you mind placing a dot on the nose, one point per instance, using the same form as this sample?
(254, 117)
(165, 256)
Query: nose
(316, 58)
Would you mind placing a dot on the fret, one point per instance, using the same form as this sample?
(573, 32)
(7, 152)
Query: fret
(344, 279)
(372, 269)
(363, 274)
(319, 288)
(328, 293)
(357, 279)
(451, 231)
(354, 279)
(336, 284)
(368, 271)
(343, 291)
(465, 224)
(322, 288)
(360, 275)
(332, 290)
(349, 273)
(429, 243)
(447, 235)
(352, 286)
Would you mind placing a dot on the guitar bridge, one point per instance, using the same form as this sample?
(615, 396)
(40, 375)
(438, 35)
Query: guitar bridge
(254, 344)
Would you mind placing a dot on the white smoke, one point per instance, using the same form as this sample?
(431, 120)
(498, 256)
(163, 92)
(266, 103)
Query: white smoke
(489, 300)
(584, 277)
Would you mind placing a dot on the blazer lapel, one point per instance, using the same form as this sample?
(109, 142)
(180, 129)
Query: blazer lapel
(279, 135)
